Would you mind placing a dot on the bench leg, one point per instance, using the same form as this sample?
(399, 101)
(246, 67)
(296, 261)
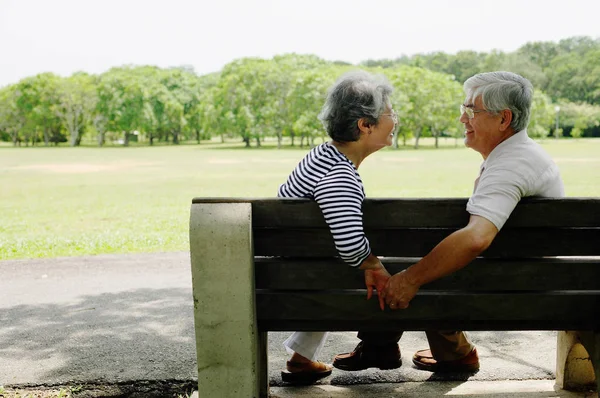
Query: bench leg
(263, 361)
(575, 353)
(227, 339)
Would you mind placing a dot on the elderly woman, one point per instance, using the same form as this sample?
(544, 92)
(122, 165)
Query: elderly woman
(358, 117)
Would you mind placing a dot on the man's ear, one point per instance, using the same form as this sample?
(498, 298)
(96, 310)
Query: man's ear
(506, 119)
(364, 126)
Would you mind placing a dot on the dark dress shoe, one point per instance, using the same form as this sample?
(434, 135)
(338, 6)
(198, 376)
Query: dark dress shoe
(369, 356)
(424, 360)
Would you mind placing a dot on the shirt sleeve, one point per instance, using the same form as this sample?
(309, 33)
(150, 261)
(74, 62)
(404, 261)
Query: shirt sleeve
(340, 196)
(496, 195)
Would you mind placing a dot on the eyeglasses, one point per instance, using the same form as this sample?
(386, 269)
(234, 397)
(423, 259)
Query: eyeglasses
(393, 115)
(470, 112)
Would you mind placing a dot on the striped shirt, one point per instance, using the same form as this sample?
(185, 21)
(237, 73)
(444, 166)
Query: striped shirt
(328, 177)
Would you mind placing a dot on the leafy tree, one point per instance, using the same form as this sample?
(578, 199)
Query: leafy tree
(577, 118)
(12, 117)
(121, 100)
(430, 101)
(305, 100)
(540, 53)
(76, 104)
(542, 115)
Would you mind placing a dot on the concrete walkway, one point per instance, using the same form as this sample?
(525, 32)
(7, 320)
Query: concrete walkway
(127, 319)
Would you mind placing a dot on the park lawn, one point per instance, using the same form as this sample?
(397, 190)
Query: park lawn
(86, 201)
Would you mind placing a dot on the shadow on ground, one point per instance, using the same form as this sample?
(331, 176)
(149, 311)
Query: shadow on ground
(143, 334)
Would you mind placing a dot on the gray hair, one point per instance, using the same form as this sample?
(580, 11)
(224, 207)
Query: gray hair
(503, 90)
(354, 96)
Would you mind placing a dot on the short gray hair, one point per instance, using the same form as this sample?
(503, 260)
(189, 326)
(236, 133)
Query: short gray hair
(354, 96)
(503, 90)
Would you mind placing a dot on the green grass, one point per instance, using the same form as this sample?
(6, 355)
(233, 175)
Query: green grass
(81, 201)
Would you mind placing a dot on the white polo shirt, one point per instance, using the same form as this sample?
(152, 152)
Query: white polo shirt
(516, 168)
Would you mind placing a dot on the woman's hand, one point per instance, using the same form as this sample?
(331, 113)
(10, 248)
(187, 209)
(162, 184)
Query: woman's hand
(376, 278)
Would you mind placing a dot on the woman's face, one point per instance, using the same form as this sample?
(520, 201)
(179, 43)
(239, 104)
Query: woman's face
(382, 133)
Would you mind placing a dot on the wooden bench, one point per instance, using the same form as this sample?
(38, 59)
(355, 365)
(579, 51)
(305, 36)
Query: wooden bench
(262, 265)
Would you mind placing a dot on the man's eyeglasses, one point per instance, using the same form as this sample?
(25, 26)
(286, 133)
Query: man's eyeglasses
(470, 112)
(393, 115)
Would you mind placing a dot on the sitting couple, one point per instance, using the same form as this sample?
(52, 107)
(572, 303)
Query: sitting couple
(359, 118)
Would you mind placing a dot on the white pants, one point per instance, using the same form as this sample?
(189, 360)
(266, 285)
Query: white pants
(307, 344)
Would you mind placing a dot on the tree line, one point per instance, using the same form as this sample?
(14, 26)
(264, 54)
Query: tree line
(253, 98)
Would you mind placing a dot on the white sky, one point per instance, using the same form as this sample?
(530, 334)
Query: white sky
(65, 36)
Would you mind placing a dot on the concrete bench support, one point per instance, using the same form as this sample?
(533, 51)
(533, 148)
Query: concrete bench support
(229, 346)
(574, 365)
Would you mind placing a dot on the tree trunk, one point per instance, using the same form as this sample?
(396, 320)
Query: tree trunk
(100, 138)
(46, 136)
(292, 135)
(176, 138)
(100, 125)
(437, 136)
(247, 141)
(257, 141)
(151, 139)
(126, 139)
(73, 135)
(279, 138)
(395, 140)
(198, 136)
(417, 136)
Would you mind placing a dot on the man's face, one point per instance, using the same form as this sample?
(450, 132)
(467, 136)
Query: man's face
(482, 132)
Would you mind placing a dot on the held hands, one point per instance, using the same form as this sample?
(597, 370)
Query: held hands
(376, 278)
(398, 291)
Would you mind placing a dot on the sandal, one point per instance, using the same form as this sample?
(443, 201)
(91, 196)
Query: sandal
(305, 373)
(424, 360)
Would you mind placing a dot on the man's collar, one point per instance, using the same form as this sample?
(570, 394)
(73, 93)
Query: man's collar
(518, 137)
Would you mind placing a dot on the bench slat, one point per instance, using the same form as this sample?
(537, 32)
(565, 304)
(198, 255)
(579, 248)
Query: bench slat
(481, 275)
(429, 212)
(557, 310)
(417, 242)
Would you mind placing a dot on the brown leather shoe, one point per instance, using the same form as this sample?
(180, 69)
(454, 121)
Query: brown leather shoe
(305, 372)
(364, 357)
(424, 360)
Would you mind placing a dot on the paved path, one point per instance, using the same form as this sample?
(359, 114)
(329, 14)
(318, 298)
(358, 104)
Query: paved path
(127, 318)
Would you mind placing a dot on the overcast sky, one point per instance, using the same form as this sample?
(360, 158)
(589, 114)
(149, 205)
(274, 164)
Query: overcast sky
(65, 36)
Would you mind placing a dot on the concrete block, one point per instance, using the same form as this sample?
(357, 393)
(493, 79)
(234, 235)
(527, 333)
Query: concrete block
(227, 340)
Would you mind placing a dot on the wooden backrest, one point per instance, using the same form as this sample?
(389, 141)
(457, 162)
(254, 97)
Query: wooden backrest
(518, 283)
(412, 227)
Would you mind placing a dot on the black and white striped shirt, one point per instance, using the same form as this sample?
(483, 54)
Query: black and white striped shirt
(328, 177)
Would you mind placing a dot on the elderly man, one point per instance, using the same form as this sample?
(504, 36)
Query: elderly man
(495, 115)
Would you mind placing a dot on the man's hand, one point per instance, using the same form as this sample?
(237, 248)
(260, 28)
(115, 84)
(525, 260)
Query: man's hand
(399, 291)
(376, 278)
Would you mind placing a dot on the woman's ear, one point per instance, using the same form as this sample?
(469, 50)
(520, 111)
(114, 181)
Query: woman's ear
(364, 126)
